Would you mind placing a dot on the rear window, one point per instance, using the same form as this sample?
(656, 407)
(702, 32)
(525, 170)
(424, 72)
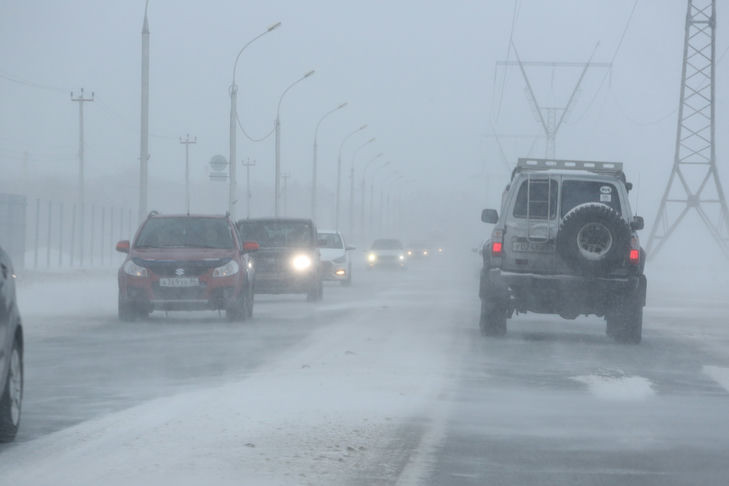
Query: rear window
(330, 240)
(185, 232)
(536, 198)
(387, 245)
(575, 193)
(278, 234)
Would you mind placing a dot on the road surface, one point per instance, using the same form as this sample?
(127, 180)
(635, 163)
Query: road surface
(384, 382)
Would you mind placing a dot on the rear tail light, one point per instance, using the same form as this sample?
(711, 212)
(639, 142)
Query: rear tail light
(497, 243)
(634, 256)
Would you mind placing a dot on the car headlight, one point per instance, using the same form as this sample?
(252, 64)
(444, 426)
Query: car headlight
(301, 262)
(410, 252)
(401, 257)
(341, 259)
(131, 268)
(230, 268)
(371, 258)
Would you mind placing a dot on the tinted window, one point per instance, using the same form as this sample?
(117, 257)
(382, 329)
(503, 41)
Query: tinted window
(330, 240)
(387, 245)
(575, 193)
(185, 232)
(278, 234)
(532, 200)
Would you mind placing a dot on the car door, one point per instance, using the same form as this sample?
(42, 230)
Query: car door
(6, 295)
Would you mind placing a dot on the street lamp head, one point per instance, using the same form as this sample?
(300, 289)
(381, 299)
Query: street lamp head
(274, 27)
(371, 140)
(308, 74)
(342, 105)
(362, 127)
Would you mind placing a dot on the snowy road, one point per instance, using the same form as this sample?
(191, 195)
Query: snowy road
(386, 382)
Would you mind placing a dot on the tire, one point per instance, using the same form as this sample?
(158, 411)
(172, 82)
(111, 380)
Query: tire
(625, 321)
(126, 311)
(316, 291)
(592, 238)
(238, 312)
(493, 319)
(12, 396)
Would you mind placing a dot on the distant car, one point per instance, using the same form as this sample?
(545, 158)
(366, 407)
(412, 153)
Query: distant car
(183, 262)
(335, 257)
(289, 260)
(386, 252)
(419, 250)
(11, 353)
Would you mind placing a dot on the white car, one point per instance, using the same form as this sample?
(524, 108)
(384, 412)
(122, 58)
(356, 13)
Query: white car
(387, 252)
(335, 259)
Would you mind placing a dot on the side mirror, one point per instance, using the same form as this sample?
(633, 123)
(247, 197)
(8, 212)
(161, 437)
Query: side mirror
(350, 248)
(490, 216)
(637, 223)
(629, 186)
(250, 247)
(123, 246)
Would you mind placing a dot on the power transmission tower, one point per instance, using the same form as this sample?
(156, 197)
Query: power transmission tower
(187, 141)
(248, 164)
(81, 189)
(694, 182)
(551, 117)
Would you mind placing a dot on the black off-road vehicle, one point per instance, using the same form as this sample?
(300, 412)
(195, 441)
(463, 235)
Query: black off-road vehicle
(565, 243)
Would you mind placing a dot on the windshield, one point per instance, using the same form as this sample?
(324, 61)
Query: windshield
(330, 240)
(387, 245)
(576, 192)
(185, 232)
(278, 234)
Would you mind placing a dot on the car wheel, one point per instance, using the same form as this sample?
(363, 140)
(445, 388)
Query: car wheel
(12, 396)
(126, 311)
(238, 311)
(493, 318)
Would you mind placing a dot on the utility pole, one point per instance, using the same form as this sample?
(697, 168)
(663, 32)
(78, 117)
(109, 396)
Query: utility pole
(694, 181)
(248, 164)
(285, 178)
(144, 136)
(552, 117)
(26, 172)
(81, 189)
(187, 141)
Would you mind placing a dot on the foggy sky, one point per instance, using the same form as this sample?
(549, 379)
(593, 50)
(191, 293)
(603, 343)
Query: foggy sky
(422, 74)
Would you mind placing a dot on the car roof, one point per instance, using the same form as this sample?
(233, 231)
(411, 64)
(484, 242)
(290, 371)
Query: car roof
(293, 220)
(328, 231)
(210, 216)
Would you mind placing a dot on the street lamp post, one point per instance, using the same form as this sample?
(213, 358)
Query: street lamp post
(364, 192)
(248, 164)
(339, 174)
(233, 121)
(351, 186)
(277, 127)
(144, 137)
(314, 164)
(187, 141)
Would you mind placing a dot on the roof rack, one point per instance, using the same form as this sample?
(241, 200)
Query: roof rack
(527, 164)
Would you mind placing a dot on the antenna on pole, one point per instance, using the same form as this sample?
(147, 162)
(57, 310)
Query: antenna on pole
(694, 182)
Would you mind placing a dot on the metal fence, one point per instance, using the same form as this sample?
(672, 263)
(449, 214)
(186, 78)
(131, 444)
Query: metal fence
(61, 234)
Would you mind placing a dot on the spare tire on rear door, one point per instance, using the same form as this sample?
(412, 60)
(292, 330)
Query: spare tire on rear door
(592, 238)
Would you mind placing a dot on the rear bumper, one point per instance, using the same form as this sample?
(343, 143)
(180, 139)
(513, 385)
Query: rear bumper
(567, 295)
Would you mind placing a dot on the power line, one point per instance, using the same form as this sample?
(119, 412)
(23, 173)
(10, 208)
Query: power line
(515, 16)
(252, 139)
(18, 80)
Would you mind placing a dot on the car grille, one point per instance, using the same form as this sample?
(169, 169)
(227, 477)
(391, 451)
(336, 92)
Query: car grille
(184, 268)
(182, 293)
(387, 258)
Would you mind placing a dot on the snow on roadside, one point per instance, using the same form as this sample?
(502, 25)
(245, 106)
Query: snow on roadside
(718, 374)
(616, 386)
(317, 416)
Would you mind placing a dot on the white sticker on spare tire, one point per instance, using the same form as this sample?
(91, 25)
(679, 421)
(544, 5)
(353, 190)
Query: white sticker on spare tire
(606, 189)
(606, 197)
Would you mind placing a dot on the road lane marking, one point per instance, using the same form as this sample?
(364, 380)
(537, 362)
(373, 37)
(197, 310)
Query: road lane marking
(719, 375)
(616, 386)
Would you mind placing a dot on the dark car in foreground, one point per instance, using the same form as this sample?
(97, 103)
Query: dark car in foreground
(289, 260)
(11, 353)
(183, 262)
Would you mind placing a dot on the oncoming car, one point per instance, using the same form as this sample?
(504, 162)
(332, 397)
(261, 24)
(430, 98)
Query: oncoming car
(386, 252)
(288, 261)
(182, 262)
(335, 257)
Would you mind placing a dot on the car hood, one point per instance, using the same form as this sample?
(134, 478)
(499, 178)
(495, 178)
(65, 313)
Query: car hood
(182, 254)
(332, 253)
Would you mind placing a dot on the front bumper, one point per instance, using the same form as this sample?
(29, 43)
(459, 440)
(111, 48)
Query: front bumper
(211, 294)
(284, 283)
(334, 271)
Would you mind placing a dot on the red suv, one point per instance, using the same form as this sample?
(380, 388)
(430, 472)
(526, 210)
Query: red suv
(183, 262)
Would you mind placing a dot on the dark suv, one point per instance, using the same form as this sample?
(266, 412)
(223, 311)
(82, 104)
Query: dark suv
(183, 262)
(11, 353)
(565, 243)
(288, 261)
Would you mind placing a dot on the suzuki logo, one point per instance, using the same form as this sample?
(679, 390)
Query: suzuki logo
(180, 272)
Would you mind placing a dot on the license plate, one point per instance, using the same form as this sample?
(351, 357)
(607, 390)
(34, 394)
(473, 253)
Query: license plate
(532, 246)
(179, 282)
